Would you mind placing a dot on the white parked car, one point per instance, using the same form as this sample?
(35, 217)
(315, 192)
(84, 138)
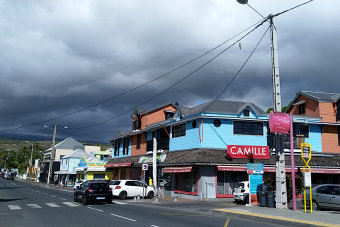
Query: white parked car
(78, 183)
(130, 188)
(241, 192)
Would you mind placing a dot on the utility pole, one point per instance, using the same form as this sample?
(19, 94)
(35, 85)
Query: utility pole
(154, 167)
(52, 156)
(281, 190)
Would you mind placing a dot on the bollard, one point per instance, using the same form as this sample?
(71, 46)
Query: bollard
(156, 199)
(138, 197)
(175, 199)
(135, 198)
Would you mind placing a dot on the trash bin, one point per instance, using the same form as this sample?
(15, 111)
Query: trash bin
(270, 199)
(263, 199)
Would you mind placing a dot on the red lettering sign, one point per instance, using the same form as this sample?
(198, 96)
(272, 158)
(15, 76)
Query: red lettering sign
(243, 151)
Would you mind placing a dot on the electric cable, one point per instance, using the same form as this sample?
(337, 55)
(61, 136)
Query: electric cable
(135, 88)
(238, 72)
(188, 75)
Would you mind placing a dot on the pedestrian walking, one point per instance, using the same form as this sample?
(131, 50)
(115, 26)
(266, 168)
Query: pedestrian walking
(55, 180)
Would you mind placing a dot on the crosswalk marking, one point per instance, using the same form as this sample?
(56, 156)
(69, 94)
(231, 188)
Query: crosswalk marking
(52, 205)
(33, 205)
(70, 204)
(14, 207)
(120, 203)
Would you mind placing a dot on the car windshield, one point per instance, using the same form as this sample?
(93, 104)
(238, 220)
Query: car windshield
(116, 182)
(98, 185)
(240, 185)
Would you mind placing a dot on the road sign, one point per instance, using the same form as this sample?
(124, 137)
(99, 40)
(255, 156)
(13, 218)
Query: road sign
(255, 168)
(145, 167)
(255, 183)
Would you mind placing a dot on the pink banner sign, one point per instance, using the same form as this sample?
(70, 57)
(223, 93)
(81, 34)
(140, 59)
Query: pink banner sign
(279, 122)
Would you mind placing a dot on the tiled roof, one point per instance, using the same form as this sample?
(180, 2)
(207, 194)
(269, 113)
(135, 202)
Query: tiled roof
(321, 96)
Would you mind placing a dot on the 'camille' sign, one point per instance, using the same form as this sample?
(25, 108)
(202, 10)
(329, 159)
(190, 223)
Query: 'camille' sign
(243, 151)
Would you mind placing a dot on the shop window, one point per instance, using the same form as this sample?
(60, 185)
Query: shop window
(248, 128)
(186, 182)
(302, 108)
(138, 141)
(246, 113)
(178, 130)
(301, 129)
(217, 123)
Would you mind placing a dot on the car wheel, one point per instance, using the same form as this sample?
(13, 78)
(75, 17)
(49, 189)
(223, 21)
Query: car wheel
(109, 200)
(84, 200)
(74, 197)
(151, 195)
(315, 205)
(246, 200)
(123, 195)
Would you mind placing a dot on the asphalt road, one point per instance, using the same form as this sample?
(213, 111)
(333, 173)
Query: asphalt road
(26, 204)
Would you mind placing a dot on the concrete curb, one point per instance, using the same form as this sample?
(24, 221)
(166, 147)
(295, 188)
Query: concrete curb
(280, 218)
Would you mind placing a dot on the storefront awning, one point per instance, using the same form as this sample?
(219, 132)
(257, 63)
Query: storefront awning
(244, 168)
(124, 164)
(184, 169)
(322, 170)
(64, 172)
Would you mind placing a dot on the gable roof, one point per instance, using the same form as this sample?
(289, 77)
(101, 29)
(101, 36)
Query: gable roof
(78, 153)
(221, 106)
(68, 144)
(316, 96)
(144, 111)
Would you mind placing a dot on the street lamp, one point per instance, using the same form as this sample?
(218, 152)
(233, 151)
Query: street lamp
(281, 190)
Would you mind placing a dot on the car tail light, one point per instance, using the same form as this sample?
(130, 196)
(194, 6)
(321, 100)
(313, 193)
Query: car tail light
(90, 190)
(117, 187)
(242, 190)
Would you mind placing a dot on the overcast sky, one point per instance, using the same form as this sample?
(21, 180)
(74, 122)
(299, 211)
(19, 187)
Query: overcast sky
(57, 57)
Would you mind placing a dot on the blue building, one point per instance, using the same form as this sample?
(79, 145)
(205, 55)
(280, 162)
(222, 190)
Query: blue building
(192, 146)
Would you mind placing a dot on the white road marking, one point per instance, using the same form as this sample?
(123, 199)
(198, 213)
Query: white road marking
(123, 217)
(44, 193)
(33, 205)
(52, 205)
(14, 207)
(52, 195)
(95, 209)
(120, 203)
(154, 225)
(63, 199)
(70, 204)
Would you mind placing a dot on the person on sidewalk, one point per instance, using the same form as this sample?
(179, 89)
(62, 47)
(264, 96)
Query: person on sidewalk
(55, 180)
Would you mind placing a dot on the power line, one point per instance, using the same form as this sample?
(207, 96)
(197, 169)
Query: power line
(197, 69)
(135, 88)
(238, 72)
(285, 11)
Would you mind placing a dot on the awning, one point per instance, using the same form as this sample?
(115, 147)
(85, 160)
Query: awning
(231, 168)
(64, 172)
(124, 164)
(184, 169)
(244, 168)
(322, 170)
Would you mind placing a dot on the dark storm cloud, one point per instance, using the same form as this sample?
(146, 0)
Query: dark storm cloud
(61, 56)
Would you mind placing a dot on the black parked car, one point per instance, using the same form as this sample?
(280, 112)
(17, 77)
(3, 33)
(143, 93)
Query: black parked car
(93, 190)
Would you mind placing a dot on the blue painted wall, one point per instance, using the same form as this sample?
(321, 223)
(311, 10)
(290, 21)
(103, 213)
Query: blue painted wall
(314, 138)
(121, 150)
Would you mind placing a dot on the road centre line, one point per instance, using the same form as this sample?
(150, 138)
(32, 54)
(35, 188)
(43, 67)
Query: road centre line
(53, 196)
(63, 199)
(154, 225)
(14, 207)
(122, 217)
(95, 209)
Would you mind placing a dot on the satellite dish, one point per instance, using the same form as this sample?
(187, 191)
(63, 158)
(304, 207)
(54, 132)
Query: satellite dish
(242, 1)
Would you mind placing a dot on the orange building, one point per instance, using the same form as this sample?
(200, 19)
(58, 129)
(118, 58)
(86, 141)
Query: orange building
(327, 107)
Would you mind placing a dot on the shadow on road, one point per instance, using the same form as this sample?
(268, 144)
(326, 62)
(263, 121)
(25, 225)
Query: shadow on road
(9, 200)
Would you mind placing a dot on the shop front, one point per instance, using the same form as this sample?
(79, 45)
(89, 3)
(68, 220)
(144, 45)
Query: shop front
(91, 170)
(185, 179)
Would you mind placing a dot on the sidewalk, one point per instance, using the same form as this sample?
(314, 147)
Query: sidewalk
(318, 218)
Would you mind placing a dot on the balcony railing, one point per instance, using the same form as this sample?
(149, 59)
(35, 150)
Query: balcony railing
(162, 144)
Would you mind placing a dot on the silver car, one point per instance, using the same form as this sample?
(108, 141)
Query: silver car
(324, 196)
